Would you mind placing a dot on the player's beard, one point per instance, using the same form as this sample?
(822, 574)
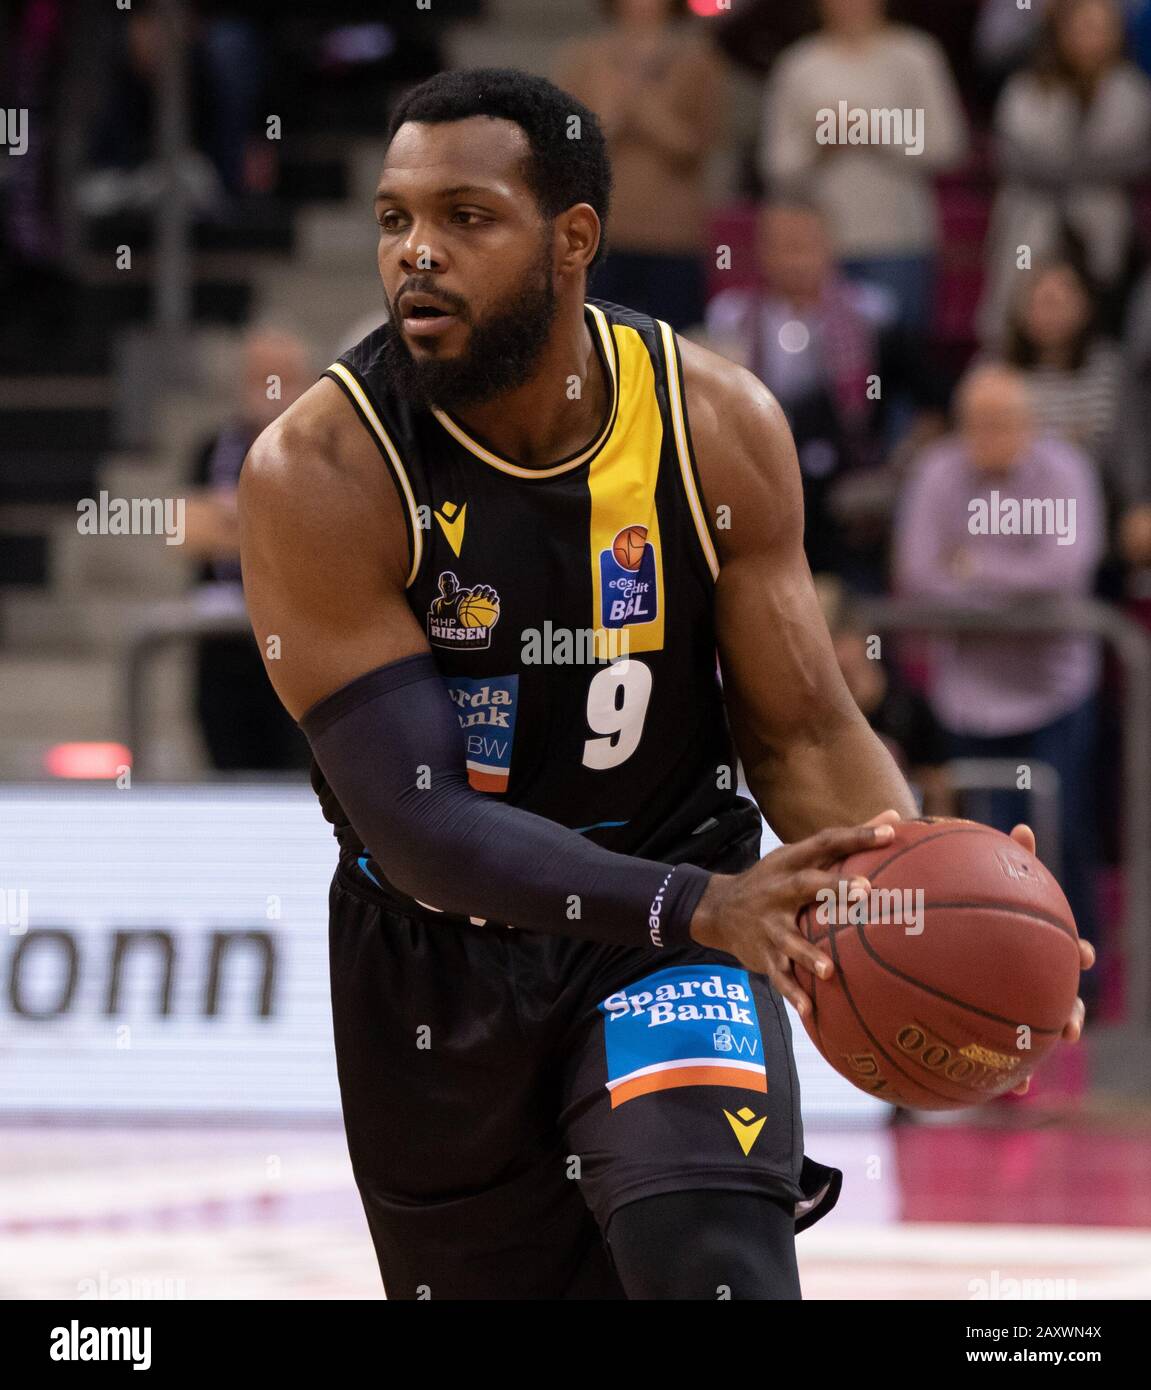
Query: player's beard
(502, 352)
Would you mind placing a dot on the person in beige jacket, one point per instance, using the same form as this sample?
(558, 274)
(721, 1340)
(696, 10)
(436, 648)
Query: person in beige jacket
(859, 117)
(659, 89)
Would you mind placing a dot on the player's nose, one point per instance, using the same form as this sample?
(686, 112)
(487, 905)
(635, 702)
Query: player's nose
(420, 252)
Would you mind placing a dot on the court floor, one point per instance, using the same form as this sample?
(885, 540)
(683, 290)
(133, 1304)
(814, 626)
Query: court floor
(928, 1212)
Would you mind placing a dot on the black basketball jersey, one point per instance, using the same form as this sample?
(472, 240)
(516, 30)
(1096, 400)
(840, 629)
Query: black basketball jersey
(570, 609)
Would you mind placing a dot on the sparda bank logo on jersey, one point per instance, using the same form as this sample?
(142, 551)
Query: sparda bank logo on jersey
(486, 708)
(462, 618)
(627, 579)
(693, 1025)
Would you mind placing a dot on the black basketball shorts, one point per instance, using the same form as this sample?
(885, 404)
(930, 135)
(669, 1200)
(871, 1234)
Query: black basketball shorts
(505, 1092)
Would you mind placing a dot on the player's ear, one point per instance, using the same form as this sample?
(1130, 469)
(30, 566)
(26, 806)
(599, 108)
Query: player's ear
(578, 230)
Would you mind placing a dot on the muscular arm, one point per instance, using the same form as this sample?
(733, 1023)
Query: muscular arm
(324, 551)
(810, 757)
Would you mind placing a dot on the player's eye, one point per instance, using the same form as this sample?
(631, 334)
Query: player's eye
(389, 221)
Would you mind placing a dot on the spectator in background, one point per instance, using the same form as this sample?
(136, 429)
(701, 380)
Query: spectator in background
(1072, 372)
(245, 728)
(900, 716)
(878, 198)
(831, 352)
(228, 157)
(659, 90)
(1133, 443)
(1072, 135)
(1012, 696)
(1006, 34)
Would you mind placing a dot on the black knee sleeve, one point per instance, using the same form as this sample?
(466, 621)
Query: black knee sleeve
(705, 1245)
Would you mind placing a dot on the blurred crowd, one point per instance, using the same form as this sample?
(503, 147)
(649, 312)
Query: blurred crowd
(957, 322)
(933, 402)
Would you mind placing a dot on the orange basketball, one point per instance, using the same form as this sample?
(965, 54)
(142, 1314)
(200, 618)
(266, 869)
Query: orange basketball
(957, 981)
(628, 547)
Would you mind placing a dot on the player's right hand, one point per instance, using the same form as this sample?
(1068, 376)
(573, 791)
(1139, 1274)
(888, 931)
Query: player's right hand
(752, 915)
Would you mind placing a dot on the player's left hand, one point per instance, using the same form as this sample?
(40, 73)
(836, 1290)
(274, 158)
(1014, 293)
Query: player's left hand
(1073, 1028)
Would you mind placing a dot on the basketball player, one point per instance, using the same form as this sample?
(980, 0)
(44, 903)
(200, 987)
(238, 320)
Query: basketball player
(556, 957)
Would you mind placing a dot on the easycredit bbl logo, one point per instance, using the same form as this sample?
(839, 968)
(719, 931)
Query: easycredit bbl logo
(627, 579)
(692, 1025)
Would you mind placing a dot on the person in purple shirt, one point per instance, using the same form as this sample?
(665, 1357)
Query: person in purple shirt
(1001, 514)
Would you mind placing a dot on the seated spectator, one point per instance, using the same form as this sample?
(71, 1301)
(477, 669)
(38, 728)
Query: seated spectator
(878, 198)
(831, 353)
(1012, 696)
(1072, 135)
(659, 90)
(245, 728)
(1072, 371)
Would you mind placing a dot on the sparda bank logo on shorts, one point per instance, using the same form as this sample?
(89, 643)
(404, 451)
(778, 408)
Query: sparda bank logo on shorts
(692, 1025)
(627, 579)
(462, 618)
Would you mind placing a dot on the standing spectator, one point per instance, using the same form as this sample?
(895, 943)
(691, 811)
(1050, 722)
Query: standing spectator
(244, 726)
(1012, 696)
(1072, 371)
(878, 198)
(1133, 444)
(660, 91)
(1073, 133)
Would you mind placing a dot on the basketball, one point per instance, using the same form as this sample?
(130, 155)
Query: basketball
(477, 611)
(628, 546)
(955, 979)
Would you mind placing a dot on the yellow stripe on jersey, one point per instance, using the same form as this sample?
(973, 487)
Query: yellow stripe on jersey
(625, 541)
(360, 397)
(679, 426)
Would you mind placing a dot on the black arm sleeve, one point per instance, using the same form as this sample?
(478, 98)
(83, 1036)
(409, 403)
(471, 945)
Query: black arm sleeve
(390, 745)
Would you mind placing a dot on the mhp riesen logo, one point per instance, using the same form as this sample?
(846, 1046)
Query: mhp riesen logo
(692, 1025)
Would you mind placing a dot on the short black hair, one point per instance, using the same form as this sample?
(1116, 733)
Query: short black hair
(564, 168)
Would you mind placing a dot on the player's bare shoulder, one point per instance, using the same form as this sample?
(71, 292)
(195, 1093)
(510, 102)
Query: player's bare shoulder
(315, 479)
(741, 440)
